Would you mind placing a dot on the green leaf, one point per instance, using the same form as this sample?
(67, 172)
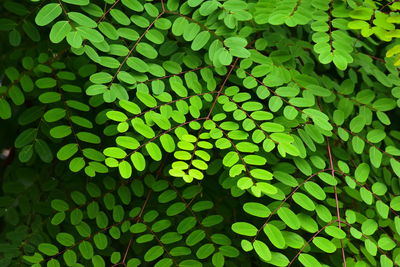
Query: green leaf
(315, 190)
(395, 203)
(137, 64)
(386, 243)
(275, 236)
(382, 209)
(59, 31)
(48, 13)
(5, 109)
(44, 83)
(82, 19)
(115, 152)
(289, 218)
(256, 209)
(58, 218)
(146, 50)
(324, 244)
(335, 232)
(116, 116)
(262, 250)
(218, 259)
(303, 201)
(90, 34)
(376, 135)
(49, 97)
(200, 40)
(138, 161)
(177, 86)
(397, 224)
(48, 249)
(205, 251)
(225, 58)
(308, 260)
(65, 239)
(244, 228)
(97, 260)
(100, 240)
(154, 151)
(266, 188)
(233, 42)
(357, 124)
(375, 157)
(142, 128)
(59, 205)
(74, 39)
(54, 114)
(153, 253)
(362, 172)
(67, 151)
(35, 258)
(43, 150)
(395, 166)
(327, 178)
(369, 227)
(125, 169)
(208, 7)
(61, 131)
(261, 174)
(230, 159)
(167, 143)
(129, 106)
(86, 250)
(101, 77)
(146, 99)
(77, 2)
(25, 138)
(127, 142)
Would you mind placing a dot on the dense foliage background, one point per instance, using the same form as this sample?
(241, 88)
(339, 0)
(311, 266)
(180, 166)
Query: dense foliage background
(199, 133)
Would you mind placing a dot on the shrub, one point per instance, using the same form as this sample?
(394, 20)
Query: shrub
(200, 133)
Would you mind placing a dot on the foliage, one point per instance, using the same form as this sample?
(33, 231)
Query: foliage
(191, 133)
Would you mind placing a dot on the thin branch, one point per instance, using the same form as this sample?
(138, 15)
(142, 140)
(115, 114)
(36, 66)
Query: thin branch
(369, 190)
(161, 245)
(336, 197)
(134, 46)
(388, 4)
(368, 142)
(108, 11)
(222, 86)
(139, 217)
(309, 241)
(126, 251)
(187, 207)
(366, 237)
(285, 200)
(163, 6)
